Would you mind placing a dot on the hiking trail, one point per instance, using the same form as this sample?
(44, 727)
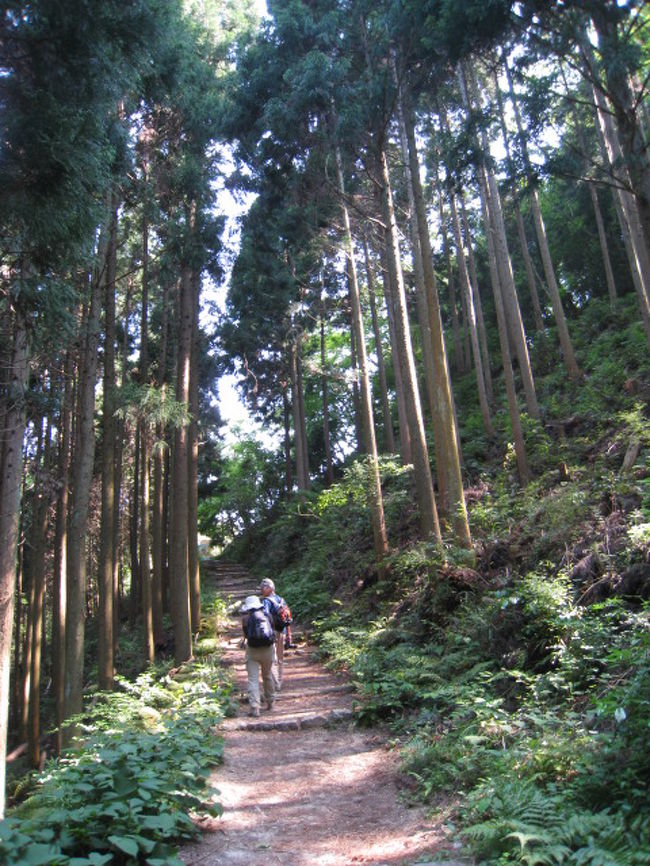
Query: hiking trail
(300, 785)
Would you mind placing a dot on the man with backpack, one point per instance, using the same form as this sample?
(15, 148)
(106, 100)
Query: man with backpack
(280, 615)
(260, 655)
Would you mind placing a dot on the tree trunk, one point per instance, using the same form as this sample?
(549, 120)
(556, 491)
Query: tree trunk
(429, 523)
(508, 374)
(375, 496)
(40, 517)
(444, 420)
(193, 465)
(389, 433)
(178, 563)
(105, 646)
(302, 476)
(389, 294)
(11, 459)
(485, 355)
(626, 110)
(635, 244)
(424, 319)
(286, 415)
(504, 265)
(521, 229)
(159, 538)
(329, 468)
(471, 315)
(59, 592)
(549, 271)
(593, 192)
(354, 370)
(82, 470)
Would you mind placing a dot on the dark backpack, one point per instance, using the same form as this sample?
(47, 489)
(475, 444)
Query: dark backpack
(259, 629)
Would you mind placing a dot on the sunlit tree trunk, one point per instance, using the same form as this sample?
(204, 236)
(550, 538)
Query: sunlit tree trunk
(286, 416)
(329, 468)
(59, 590)
(593, 192)
(354, 370)
(549, 271)
(424, 319)
(193, 466)
(12, 428)
(502, 324)
(504, 264)
(634, 238)
(521, 228)
(485, 355)
(473, 328)
(429, 522)
(40, 517)
(300, 435)
(444, 420)
(389, 433)
(158, 529)
(625, 106)
(389, 296)
(105, 645)
(178, 560)
(82, 470)
(375, 496)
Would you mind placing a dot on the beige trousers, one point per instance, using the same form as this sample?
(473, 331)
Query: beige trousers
(260, 659)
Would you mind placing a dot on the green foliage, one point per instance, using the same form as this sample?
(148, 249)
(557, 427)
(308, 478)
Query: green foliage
(125, 792)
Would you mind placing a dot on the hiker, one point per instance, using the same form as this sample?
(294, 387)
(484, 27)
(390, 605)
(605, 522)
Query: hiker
(260, 654)
(280, 614)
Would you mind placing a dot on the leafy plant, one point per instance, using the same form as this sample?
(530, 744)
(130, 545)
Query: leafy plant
(125, 792)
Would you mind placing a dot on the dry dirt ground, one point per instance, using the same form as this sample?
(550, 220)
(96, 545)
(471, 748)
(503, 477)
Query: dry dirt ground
(301, 786)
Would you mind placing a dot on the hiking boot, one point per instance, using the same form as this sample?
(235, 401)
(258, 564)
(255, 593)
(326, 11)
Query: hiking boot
(255, 712)
(269, 705)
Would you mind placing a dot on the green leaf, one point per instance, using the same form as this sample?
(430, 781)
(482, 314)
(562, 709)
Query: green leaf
(125, 843)
(39, 854)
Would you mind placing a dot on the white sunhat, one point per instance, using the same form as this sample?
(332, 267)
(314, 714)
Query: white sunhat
(251, 602)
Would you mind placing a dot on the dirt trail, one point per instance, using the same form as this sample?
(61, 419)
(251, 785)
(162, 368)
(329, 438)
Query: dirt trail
(301, 786)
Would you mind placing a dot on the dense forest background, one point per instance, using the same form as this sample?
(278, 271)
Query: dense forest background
(437, 309)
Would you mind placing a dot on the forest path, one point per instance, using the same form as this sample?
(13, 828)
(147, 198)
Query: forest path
(301, 786)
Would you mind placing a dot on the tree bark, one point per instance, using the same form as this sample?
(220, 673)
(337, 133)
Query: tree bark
(40, 509)
(429, 522)
(471, 315)
(105, 646)
(193, 465)
(178, 562)
(376, 502)
(82, 469)
(634, 239)
(389, 433)
(444, 420)
(59, 592)
(549, 271)
(485, 355)
(504, 265)
(329, 468)
(502, 324)
(634, 148)
(389, 295)
(12, 415)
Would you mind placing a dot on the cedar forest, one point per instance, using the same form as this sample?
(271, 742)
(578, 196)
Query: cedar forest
(437, 301)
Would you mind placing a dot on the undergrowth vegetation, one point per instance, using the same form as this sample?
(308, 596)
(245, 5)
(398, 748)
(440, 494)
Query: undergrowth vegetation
(136, 776)
(517, 686)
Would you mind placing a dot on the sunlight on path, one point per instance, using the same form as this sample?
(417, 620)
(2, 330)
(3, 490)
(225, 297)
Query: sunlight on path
(299, 791)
